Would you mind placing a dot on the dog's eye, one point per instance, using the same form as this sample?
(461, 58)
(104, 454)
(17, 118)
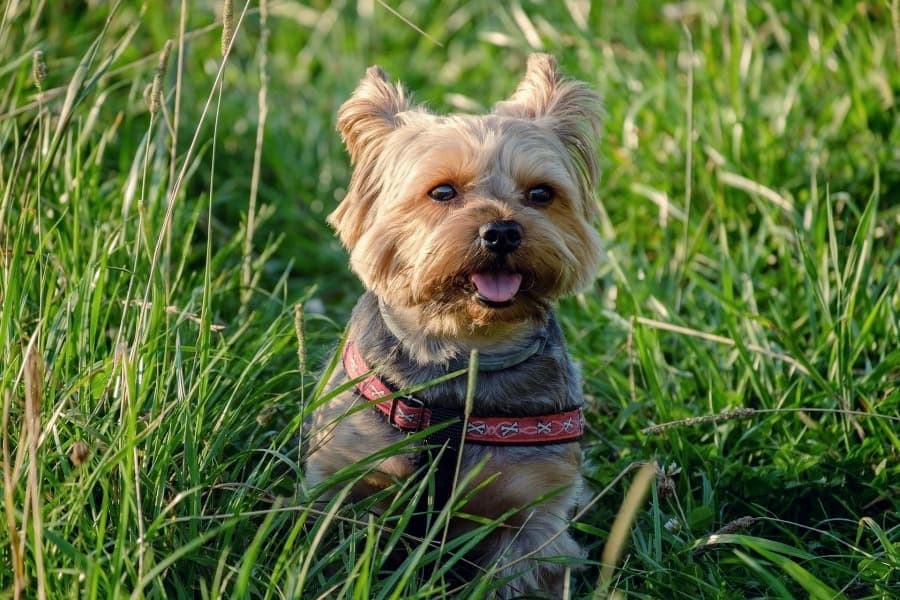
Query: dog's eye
(540, 195)
(443, 193)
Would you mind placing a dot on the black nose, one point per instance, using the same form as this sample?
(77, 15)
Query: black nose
(501, 237)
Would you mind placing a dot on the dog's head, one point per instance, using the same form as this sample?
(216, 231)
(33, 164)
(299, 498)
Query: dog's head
(474, 221)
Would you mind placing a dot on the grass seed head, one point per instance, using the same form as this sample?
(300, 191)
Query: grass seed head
(301, 337)
(728, 415)
(156, 97)
(34, 375)
(264, 417)
(227, 25)
(673, 525)
(738, 524)
(38, 69)
(665, 479)
(79, 452)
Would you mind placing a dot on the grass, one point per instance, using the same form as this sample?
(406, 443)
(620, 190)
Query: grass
(155, 368)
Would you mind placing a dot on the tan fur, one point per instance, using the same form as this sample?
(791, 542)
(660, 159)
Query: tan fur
(416, 255)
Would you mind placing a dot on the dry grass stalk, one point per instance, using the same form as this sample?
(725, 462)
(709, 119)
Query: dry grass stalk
(9, 478)
(412, 25)
(618, 534)
(34, 376)
(688, 156)
(895, 22)
(262, 101)
(467, 413)
(728, 415)
(711, 337)
(755, 188)
(174, 310)
(176, 110)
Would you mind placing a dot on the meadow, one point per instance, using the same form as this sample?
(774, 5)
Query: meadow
(170, 294)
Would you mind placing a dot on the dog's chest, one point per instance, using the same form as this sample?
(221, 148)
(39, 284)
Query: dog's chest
(504, 478)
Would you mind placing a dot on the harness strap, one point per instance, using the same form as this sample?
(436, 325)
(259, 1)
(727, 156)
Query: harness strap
(449, 439)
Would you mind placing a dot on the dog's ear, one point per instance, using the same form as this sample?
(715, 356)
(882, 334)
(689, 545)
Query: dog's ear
(570, 108)
(364, 121)
(370, 113)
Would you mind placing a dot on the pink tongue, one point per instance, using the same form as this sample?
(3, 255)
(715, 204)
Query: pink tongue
(497, 287)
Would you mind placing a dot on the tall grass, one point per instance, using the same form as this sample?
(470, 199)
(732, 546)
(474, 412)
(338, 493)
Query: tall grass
(170, 295)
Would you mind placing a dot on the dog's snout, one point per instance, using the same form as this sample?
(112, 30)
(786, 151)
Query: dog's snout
(500, 237)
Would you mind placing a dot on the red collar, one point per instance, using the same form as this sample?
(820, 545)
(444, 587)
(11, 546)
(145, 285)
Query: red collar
(565, 426)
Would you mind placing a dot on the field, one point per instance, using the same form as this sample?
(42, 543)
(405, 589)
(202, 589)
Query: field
(170, 293)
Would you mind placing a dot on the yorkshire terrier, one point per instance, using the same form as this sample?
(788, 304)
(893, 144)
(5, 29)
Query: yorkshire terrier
(465, 230)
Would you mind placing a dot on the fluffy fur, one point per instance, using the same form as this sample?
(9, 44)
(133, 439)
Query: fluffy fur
(419, 259)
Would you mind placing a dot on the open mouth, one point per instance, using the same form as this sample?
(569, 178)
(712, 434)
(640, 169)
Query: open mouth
(496, 289)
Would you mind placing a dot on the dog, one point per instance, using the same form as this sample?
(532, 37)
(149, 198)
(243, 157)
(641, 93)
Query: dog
(464, 231)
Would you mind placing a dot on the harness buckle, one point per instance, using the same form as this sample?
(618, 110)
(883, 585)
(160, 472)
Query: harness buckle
(407, 420)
